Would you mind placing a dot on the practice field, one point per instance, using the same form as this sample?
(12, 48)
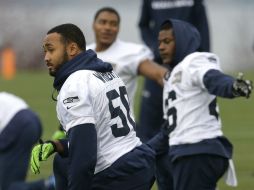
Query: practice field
(237, 119)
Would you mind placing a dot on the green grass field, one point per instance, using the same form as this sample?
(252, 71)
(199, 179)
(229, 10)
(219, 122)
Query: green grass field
(237, 118)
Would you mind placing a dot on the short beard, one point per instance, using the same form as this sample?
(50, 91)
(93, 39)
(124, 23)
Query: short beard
(64, 60)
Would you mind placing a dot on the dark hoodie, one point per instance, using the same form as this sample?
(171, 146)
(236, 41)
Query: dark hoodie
(187, 40)
(86, 60)
(82, 138)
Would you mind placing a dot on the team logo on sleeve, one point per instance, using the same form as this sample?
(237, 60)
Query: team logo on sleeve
(71, 100)
(212, 59)
(177, 78)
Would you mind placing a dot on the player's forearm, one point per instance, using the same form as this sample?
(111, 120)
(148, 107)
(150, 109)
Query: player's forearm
(219, 84)
(152, 71)
(83, 156)
(62, 147)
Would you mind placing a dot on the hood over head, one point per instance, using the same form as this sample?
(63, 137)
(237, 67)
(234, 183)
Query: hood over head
(187, 39)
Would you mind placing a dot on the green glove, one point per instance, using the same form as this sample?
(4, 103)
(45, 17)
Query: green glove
(59, 134)
(41, 152)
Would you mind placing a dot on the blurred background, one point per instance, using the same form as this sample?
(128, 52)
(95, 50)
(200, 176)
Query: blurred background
(23, 25)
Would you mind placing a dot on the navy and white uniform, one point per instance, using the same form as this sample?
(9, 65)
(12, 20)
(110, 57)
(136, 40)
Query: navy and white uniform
(92, 97)
(20, 129)
(153, 13)
(197, 145)
(125, 57)
(103, 150)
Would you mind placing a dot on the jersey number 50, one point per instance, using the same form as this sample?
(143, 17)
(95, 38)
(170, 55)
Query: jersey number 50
(118, 112)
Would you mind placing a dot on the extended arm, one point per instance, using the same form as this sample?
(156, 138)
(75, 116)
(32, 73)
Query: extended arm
(152, 71)
(220, 84)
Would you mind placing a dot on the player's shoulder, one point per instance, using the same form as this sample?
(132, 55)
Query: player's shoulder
(202, 56)
(90, 79)
(200, 59)
(78, 79)
(6, 96)
(11, 99)
(91, 46)
(131, 46)
(80, 74)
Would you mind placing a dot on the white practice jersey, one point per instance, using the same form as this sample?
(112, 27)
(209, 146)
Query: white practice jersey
(187, 103)
(10, 105)
(125, 58)
(100, 99)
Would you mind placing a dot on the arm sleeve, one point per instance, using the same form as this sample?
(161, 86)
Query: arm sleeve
(199, 65)
(219, 84)
(140, 54)
(82, 156)
(200, 21)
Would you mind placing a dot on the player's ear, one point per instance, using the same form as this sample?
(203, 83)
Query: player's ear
(72, 49)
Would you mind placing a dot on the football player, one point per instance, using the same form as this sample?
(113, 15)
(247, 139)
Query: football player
(102, 149)
(128, 59)
(199, 152)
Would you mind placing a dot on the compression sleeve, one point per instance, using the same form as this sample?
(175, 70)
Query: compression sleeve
(82, 156)
(218, 83)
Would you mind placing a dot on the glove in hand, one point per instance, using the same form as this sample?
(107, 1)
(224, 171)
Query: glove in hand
(59, 134)
(242, 87)
(166, 129)
(40, 152)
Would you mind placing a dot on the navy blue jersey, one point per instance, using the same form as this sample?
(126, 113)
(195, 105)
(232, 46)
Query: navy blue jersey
(154, 12)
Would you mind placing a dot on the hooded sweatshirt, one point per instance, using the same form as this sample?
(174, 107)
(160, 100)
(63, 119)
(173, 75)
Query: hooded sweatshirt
(93, 108)
(195, 76)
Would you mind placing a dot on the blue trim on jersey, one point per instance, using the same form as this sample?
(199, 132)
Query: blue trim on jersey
(87, 60)
(82, 156)
(25, 118)
(219, 84)
(219, 146)
(195, 15)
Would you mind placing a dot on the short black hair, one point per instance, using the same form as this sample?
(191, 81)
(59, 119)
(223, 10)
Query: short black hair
(70, 33)
(107, 9)
(166, 25)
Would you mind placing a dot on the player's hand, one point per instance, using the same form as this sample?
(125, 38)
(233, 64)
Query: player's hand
(166, 129)
(242, 87)
(41, 152)
(59, 134)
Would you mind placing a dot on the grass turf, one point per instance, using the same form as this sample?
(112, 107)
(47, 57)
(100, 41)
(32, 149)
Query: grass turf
(237, 119)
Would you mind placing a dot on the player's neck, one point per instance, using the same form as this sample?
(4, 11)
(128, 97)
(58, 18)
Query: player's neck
(101, 47)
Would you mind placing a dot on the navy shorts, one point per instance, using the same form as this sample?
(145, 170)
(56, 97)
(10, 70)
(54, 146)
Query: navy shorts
(132, 171)
(199, 172)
